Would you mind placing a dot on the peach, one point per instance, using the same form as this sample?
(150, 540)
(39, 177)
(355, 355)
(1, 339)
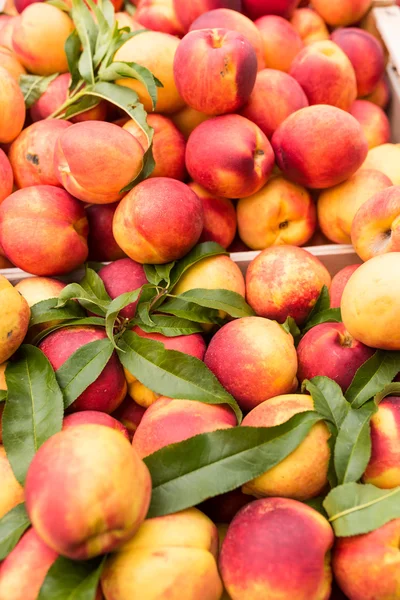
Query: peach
(281, 42)
(58, 220)
(371, 296)
(106, 393)
(121, 276)
(375, 124)
(15, 315)
(101, 241)
(55, 95)
(285, 281)
(10, 63)
(365, 54)
(325, 74)
(156, 51)
(226, 18)
(338, 284)
(277, 548)
(32, 153)
(36, 289)
(304, 473)
(187, 119)
(346, 354)
(188, 12)
(94, 417)
(67, 482)
(219, 217)
(340, 13)
(366, 566)
(170, 421)
(6, 177)
(229, 156)
(385, 158)
(259, 8)
(280, 213)
(172, 556)
(124, 19)
(12, 108)
(11, 492)
(337, 206)
(24, 570)
(193, 345)
(39, 37)
(169, 146)
(222, 79)
(159, 15)
(213, 273)
(254, 359)
(381, 94)
(275, 96)
(3, 386)
(129, 413)
(158, 221)
(376, 226)
(6, 32)
(222, 509)
(95, 160)
(319, 146)
(309, 25)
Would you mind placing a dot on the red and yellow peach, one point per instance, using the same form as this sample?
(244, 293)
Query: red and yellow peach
(159, 15)
(281, 43)
(15, 315)
(338, 284)
(340, 13)
(309, 25)
(188, 12)
(6, 177)
(101, 241)
(129, 413)
(12, 104)
(374, 122)
(219, 217)
(385, 158)
(94, 417)
(121, 276)
(11, 492)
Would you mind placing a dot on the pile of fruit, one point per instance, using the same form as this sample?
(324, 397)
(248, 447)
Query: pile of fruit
(170, 427)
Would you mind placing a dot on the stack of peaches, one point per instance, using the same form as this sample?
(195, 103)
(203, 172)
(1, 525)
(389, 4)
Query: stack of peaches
(269, 129)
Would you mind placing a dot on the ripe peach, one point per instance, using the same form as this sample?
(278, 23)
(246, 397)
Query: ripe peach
(319, 146)
(222, 508)
(156, 51)
(226, 18)
(32, 153)
(385, 158)
(338, 284)
(381, 94)
(281, 42)
(59, 244)
(106, 393)
(376, 225)
(159, 15)
(129, 413)
(259, 8)
(337, 206)
(188, 12)
(15, 315)
(24, 570)
(366, 56)
(94, 417)
(213, 273)
(285, 281)
(187, 119)
(11, 492)
(252, 343)
(36, 289)
(124, 19)
(3, 386)
(219, 217)
(325, 74)
(375, 124)
(304, 473)
(193, 345)
(10, 63)
(95, 171)
(367, 566)
(170, 421)
(275, 96)
(121, 276)
(280, 213)
(371, 296)
(101, 241)
(158, 221)
(6, 32)
(266, 537)
(222, 81)
(309, 25)
(229, 156)
(69, 478)
(6, 177)
(39, 37)
(170, 557)
(340, 13)
(12, 108)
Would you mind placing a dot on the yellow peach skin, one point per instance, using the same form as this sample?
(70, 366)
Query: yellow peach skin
(381, 94)
(12, 108)
(10, 63)
(187, 119)
(385, 158)
(172, 556)
(373, 120)
(339, 13)
(15, 315)
(281, 42)
(309, 25)
(216, 272)
(11, 492)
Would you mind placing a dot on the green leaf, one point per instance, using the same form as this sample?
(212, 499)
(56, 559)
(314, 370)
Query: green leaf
(94, 285)
(355, 509)
(323, 303)
(211, 464)
(96, 321)
(392, 389)
(132, 70)
(170, 326)
(86, 298)
(192, 312)
(34, 408)
(290, 326)
(230, 302)
(157, 273)
(199, 252)
(72, 580)
(33, 86)
(373, 376)
(80, 106)
(114, 309)
(88, 32)
(82, 368)
(3, 395)
(60, 5)
(46, 311)
(12, 526)
(147, 298)
(106, 29)
(328, 399)
(353, 444)
(317, 504)
(73, 51)
(331, 315)
(172, 373)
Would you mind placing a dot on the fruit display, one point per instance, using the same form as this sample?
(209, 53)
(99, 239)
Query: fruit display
(176, 422)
